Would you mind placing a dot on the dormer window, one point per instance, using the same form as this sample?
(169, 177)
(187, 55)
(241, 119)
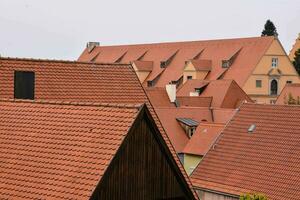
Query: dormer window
(274, 62)
(24, 85)
(189, 125)
(225, 63)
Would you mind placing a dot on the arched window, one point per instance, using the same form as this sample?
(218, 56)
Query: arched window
(274, 87)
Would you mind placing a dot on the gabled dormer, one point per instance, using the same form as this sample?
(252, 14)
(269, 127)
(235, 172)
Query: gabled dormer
(196, 69)
(142, 69)
(189, 125)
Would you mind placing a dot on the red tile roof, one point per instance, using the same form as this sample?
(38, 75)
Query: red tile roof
(75, 81)
(223, 115)
(194, 101)
(289, 89)
(250, 51)
(143, 65)
(58, 150)
(265, 161)
(202, 65)
(203, 138)
(82, 82)
(159, 97)
(175, 132)
(224, 93)
(190, 86)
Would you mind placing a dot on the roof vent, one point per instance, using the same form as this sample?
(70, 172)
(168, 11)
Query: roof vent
(251, 128)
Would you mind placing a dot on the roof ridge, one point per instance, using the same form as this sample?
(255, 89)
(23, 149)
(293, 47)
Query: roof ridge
(72, 103)
(270, 105)
(186, 41)
(60, 61)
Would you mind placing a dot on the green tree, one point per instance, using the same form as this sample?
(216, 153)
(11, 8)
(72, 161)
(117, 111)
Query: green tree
(253, 196)
(269, 29)
(296, 61)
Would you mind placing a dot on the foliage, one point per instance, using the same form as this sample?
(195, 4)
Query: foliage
(296, 61)
(269, 29)
(291, 100)
(253, 196)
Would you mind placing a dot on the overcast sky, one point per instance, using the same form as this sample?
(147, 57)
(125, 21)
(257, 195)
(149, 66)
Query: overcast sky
(60, 29)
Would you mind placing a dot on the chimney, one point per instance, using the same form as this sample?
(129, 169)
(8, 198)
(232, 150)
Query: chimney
(91, 45)
(171, 91)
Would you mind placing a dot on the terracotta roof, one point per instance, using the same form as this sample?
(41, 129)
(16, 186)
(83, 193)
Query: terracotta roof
(265, 160)
(58, 150)
(75, 81)
(202, 65)
(289, 89)
(159, 97)
(251, 50)
(223, 115)
(190, 86)
(175, 132)
(203, 138)
(224, 93)
(143, 65)
(194, 101)
(82, 82)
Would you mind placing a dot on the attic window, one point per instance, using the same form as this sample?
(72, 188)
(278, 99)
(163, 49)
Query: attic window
(189, 125)
(150, 83)
(251, 128)
(226, 63)
(24, 85)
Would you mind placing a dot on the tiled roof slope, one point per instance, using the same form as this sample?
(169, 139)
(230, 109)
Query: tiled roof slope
(190, 86)
(289, 89)
(74, 81)
(58, 151)
(225, 93)
(159, 97)
(265, 161)
(250, 52)
(175, 132)
(83, 82)
(203, 138)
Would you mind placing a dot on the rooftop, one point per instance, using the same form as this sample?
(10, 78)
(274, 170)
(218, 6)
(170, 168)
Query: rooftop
(265, 160)
(175, 54)
(58, 150)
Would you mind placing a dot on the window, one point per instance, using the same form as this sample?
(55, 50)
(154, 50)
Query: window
(189, 77)
(24, 85)
(289, 82)
(192, 131)
(274, 87)
(274, 62)
(258, 83)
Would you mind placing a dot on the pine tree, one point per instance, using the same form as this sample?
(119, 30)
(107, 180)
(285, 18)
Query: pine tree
(270, 29)
(296, 61)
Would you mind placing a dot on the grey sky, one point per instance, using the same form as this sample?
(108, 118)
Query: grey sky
(59, 29)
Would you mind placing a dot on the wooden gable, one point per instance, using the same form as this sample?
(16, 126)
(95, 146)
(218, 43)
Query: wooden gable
(142, 167)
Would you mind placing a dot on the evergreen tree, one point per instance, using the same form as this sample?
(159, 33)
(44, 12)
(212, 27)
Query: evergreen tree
(296, 61)
(270, 29)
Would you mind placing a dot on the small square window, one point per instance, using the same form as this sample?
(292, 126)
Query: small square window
(274, 62)
(24, 85)
(258, 83)
(189, 77)
(272, 101)
(289, 82)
